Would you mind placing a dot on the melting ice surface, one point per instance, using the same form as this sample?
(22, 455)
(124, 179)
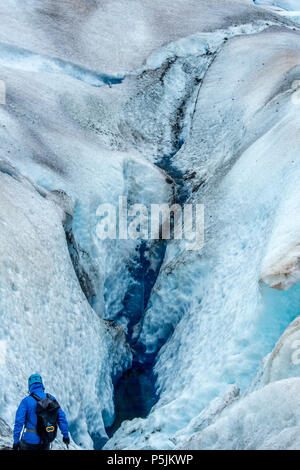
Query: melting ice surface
(22, 59)
(287, 8)
(159, 339)
(221, 318)
(290, 5)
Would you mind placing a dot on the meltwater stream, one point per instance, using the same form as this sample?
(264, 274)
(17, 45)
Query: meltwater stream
(25, 60)
(135, 391)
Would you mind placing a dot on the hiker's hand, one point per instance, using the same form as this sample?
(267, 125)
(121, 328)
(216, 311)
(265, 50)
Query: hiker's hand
(16, 446)
(66, 440)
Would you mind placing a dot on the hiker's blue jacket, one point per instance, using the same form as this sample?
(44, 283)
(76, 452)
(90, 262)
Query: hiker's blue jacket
(26, 416)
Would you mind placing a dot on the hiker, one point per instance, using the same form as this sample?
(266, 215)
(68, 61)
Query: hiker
(40, 414)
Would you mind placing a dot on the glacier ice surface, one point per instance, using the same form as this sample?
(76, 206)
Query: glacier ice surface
(202, 96)
(222, 313)
(47, 324)
(267, 419)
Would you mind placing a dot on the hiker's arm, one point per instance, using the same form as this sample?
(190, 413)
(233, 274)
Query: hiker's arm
(63, 423)
(20, 421)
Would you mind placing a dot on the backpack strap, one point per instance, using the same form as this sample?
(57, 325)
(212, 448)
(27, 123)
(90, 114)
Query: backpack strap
(33, 395)
(30, 431)
(28, 420)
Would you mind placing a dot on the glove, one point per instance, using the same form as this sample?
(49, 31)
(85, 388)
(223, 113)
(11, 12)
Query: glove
(66, 440)
(16, 446)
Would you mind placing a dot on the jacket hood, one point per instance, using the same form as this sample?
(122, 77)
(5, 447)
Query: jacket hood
(37, 387)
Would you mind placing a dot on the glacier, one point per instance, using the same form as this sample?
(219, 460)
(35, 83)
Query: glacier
(147, 344)
(46, 321)
(232, 421)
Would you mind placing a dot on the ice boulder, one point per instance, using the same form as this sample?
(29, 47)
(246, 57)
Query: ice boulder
(284, 361)
(268, 419)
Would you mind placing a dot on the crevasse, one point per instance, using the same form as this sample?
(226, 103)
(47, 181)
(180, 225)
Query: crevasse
(161, 343)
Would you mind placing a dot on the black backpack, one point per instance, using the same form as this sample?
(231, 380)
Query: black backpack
(47, 414)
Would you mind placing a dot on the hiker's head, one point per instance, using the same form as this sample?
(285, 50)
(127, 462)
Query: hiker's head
(34, 379)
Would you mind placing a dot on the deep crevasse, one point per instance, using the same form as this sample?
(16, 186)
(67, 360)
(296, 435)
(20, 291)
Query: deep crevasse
(225, 319)
(212, 108)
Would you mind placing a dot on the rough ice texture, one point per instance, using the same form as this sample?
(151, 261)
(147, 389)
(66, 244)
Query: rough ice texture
(220, 319)
(253, 410)
(290, 5)
(47, 324)
(5, 435)
(268, 419)
(101, 35)
(70, 149)
(203, 89)
(280, 266)
(207, 416)
(283, 362)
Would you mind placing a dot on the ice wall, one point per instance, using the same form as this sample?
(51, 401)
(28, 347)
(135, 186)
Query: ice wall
(266, 420)
(47, 324)
(201, 107)
(224, 318)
